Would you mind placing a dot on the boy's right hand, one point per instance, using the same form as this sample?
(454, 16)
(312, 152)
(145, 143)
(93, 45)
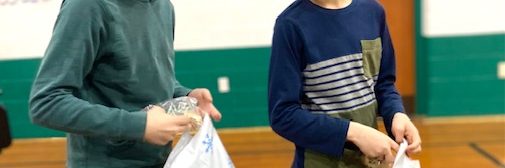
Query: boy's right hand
(373, 143)
(161, 128)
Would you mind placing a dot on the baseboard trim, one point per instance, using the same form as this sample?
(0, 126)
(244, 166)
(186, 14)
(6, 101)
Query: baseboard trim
(463, 119)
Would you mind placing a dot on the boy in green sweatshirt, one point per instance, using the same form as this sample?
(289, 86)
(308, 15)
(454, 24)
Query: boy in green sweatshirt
(106, 61)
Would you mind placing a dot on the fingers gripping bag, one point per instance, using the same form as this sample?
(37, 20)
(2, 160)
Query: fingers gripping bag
(402, 160)
(186, 106)
(204, 149)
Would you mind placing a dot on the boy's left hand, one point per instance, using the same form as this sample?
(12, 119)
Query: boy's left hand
(205, 102)
(403, 128)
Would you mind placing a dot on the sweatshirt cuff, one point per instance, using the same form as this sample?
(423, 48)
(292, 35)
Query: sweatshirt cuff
(133, 125)
(181, 91)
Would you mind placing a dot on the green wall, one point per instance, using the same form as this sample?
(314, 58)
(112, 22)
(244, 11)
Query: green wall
(244, 106)
(462, 75)
(457, 75)
(16, 77)
(246, 103)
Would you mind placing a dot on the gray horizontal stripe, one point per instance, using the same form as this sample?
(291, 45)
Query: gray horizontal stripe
(333, 61)
(345, 97)
(346, 104)
(333, 69)
(341, 111)
(355, 104)
(334, 77)
(339, 90)
(334, 84)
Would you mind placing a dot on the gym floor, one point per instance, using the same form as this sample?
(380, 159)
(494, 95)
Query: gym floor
(447, 143)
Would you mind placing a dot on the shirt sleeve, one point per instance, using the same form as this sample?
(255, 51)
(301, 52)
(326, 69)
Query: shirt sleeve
(78, 37)
(180, 90)
(311, 131)
(389, 99)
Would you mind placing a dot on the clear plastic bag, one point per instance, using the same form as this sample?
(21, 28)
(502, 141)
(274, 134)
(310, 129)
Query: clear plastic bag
(187, 106)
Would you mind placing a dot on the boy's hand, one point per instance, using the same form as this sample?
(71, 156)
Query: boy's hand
(373, 143)
(205, 102)
(403, 128)
(161, 128)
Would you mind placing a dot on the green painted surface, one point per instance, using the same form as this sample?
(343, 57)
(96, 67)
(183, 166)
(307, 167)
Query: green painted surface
(247, 70)
(244, 106)
(458, 75)
(16, 77)
(462, 75)
(455, 76)
(421, 94)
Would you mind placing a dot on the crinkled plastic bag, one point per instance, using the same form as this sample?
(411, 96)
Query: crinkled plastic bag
(204, 150)
(187, 106)
(402, 160)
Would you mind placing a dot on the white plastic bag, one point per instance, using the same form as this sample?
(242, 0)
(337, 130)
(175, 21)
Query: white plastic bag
(402, 160)
(204, 150)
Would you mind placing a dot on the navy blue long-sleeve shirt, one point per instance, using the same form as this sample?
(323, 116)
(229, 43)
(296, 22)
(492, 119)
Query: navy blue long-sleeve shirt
(325, 62)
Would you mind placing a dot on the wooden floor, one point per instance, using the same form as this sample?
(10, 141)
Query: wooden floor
(447, 143)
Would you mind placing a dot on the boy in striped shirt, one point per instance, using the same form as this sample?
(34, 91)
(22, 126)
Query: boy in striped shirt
(332, 70)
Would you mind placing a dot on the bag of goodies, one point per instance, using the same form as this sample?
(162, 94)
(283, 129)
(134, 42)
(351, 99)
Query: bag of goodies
(187, 106)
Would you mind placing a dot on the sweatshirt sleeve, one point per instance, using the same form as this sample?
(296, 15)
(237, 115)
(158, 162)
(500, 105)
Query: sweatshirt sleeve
(77, 40)
(389, 99)
(311, 131)
(180, 90)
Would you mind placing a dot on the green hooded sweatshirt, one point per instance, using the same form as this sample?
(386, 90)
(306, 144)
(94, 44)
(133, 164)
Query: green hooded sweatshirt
(107, 59)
